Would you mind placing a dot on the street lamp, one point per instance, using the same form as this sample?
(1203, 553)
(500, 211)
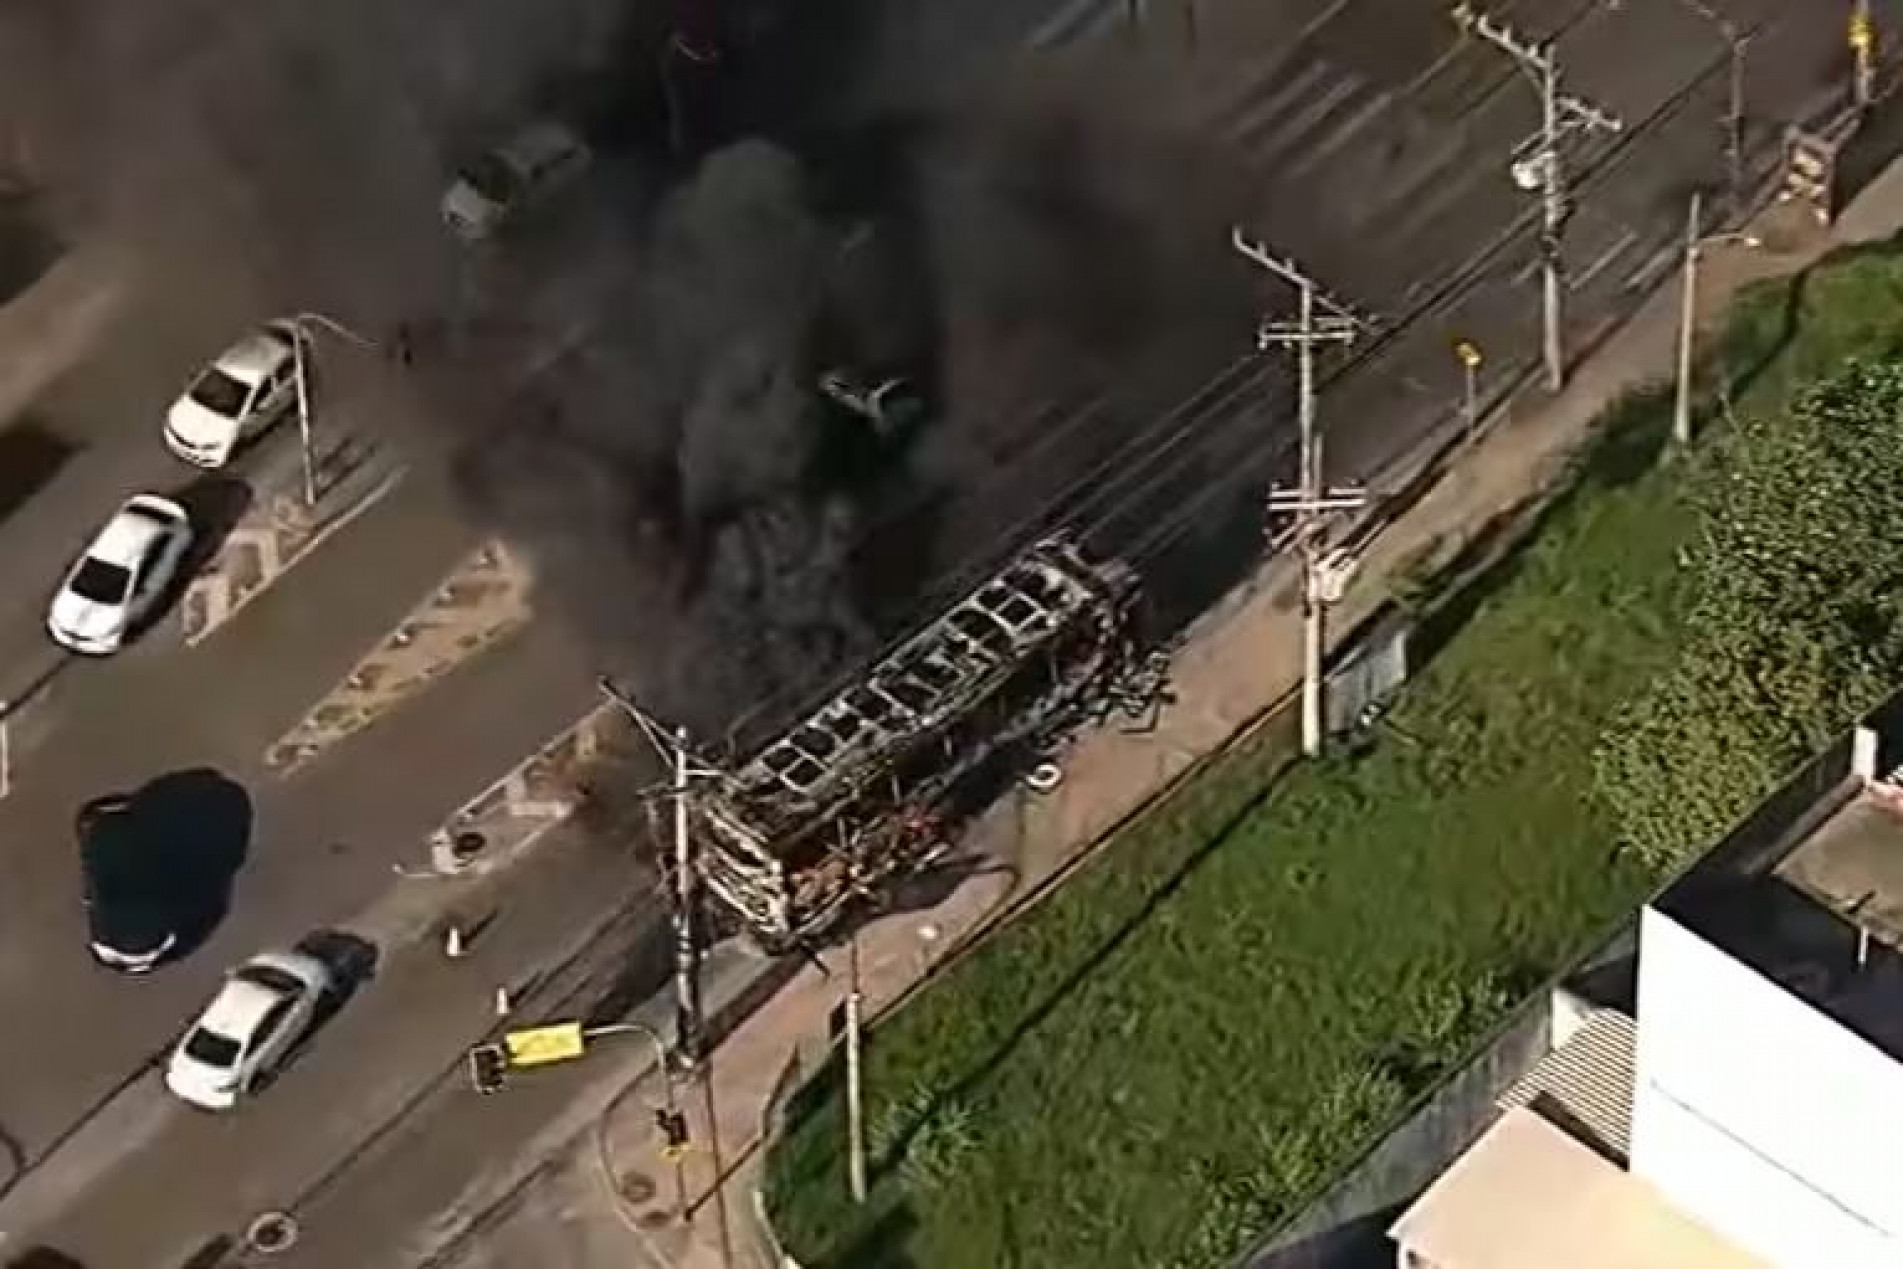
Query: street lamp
(1688, 310)
(302, 327)
(1470, 359)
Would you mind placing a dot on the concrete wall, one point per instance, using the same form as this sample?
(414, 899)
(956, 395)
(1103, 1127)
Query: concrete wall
(1761, 1116)
(1347, 1227)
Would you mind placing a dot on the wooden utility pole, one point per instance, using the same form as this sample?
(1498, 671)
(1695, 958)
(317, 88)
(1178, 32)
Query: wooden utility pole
(1311, 497)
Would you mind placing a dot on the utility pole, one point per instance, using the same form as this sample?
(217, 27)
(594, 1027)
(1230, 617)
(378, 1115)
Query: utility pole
(1311, 497)
(683, 771)
(686, 953)
(1736, 43)
(1695, 243)
(855, 1105)
(1543, 171)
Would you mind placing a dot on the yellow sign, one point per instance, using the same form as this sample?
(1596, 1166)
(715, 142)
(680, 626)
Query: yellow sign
(1468, 352)
(1861, 34)
(539, 1046)
(673, 1154)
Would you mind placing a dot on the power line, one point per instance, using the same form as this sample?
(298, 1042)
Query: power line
(1238, 468)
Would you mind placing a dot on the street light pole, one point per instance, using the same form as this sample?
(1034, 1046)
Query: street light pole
(1695, 243)
(302, 326)
(1559, 113)
(300, 371)
(1470, 357)
(855, 1106)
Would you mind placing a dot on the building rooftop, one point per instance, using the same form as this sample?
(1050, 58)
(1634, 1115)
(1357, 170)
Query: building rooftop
(1585, 1085)
(1528, 1194)
(1853, 865)
(1820, 913)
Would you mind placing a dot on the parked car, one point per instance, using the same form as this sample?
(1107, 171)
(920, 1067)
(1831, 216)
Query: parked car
(122, 577)
(504, 183)
(238, 397)
(131, 922)
(266, 1005)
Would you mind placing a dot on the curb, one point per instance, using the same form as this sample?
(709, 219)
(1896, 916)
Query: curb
(534, 798)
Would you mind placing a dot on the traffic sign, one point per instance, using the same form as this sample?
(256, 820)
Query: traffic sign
(542, 1046)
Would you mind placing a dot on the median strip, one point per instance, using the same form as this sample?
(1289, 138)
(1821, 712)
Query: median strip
(482, 601)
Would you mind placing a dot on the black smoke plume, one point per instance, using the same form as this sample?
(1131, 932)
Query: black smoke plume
(666, 479)
(629, 392)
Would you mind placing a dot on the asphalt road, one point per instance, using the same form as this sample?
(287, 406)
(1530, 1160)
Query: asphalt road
(1376, 146)
(76, 1092)
(90, 354)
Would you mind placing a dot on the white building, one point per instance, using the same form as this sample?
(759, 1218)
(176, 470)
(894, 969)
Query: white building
(1752, 1115)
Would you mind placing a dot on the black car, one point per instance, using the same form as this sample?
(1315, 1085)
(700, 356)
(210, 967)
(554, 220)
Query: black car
(131, 924)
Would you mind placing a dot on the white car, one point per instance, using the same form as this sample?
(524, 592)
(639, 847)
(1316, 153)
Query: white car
(240, 395)
(266, 1005)
(121, 578)
(502, 184)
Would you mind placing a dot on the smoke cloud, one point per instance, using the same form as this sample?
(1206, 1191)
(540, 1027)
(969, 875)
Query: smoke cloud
(666, 480)
(629, 395)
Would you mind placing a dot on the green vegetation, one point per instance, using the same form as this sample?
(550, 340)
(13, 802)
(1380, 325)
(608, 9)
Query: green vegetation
(1798, 624)
(1179, 1048)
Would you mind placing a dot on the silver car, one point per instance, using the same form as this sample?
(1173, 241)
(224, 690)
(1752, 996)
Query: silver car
(528, 168)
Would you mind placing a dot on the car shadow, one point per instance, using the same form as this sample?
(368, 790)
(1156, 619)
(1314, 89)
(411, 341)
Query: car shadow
(202, 820)
(215, 504)
(351, 959)
(352, 962)
(31, 455)
(29, 246)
